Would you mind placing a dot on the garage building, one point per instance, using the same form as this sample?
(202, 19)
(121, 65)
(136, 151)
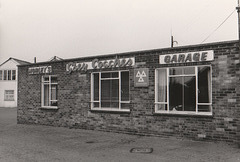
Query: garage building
(189, 91)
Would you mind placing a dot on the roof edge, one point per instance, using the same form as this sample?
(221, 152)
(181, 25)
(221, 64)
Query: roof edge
(18, 61)
(139, 52)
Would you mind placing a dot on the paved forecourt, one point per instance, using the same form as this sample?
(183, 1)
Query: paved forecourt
(25, 143)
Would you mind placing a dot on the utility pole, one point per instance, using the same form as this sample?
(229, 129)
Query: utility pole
(238, 11)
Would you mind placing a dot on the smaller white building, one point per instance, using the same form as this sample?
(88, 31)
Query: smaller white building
(8, 82)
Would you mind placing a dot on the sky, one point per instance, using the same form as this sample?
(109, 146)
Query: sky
(80, 28)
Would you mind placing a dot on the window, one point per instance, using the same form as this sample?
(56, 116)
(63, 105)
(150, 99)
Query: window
(49, 92)
(1, 75)
(13, 74)
(4, 74)
(110, 91)
(183, 90)
(7, 74)
(9, 95)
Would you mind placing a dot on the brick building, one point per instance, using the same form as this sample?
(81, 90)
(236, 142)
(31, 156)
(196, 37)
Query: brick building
(191, 91)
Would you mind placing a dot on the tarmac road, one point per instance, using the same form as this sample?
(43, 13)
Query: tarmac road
(30, 143)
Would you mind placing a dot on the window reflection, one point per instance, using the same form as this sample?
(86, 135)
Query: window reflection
(204, 84)
(179, 91)
(111, 90)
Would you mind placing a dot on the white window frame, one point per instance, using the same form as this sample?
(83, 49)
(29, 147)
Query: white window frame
(6, 95)
(15, 74)
(167, 102)
(99, 100)
(11, 72)
(42, 93)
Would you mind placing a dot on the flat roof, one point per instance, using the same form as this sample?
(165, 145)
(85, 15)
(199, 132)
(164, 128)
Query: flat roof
(138, 52)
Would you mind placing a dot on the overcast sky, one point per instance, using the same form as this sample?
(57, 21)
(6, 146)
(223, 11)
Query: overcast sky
(77, 28)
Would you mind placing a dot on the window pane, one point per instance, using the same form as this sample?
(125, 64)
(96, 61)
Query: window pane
(9, 92)
(125, 86)
(96, 87)
(95, 104)
(110, 93)
(1, 74)
(105, 75)
(176, 93)
(114, 75)
(5, 75)
(54, 92)
(175, 71)
(204, 85)
(109, 75)
(105, 104)
(53, 79)
(189, 94)
(13, 74)
(125, 106)
(182, 93)
(105, 90)
(9, 75)
(162, 85)
(46, 95)
(204, 108)
(115, 90)
(46, 79)
(112, 104)
(189, 70)
(161, 107)
(53, 103)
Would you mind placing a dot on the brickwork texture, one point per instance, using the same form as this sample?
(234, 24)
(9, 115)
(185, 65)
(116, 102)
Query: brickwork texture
(74, 95)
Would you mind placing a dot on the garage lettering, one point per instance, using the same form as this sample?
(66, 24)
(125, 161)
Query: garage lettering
(184, 58)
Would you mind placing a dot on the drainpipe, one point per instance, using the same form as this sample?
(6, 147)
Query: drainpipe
(238, 11)
(238, 111)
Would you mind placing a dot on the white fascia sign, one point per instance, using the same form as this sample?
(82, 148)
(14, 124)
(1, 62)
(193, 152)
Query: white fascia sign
(199, 56)
(40, 70)
(97, 64)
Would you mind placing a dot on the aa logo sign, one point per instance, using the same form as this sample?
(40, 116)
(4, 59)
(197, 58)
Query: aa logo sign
(141, 77)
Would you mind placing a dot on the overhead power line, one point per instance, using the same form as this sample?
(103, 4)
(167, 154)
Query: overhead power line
(198, 16)
(219, 26)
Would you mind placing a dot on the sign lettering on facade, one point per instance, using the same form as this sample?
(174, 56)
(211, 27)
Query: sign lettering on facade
(141, 77)
(97, 64)
(40, 70)
(199, 56)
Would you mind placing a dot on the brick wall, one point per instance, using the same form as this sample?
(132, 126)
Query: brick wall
(74, 98)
